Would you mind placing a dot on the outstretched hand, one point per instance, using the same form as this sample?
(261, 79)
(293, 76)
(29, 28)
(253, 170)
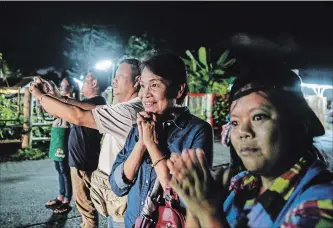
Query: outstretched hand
(43, 86)
(193, 182)
(49, 87)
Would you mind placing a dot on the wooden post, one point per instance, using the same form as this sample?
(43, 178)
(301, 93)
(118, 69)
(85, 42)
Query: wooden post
(27, 118)
(19, 101)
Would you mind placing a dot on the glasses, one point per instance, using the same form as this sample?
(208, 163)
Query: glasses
(155, 85)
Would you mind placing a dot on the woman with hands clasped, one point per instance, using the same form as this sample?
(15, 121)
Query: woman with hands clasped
(285, 183)
(163, 127)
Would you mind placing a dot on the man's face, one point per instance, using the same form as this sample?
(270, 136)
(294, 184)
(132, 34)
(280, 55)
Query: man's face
(123, 84)
(256, 133)
(89, 84)
(153, 92)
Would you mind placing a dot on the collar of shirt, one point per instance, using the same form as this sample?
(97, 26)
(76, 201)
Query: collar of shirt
(247, 186)
(179, 117)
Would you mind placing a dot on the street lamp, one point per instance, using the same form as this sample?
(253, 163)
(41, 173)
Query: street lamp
(103, 65)
(79, 82)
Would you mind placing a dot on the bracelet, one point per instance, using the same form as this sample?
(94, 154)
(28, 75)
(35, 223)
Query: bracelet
(41, 98)
(155, 163)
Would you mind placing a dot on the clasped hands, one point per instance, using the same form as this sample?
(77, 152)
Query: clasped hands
(191, 177)
(148, 127)
(194, 183)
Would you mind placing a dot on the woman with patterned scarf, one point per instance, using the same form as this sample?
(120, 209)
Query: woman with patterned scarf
(282, 182)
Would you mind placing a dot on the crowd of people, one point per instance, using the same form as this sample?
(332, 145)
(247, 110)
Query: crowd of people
(151, 143)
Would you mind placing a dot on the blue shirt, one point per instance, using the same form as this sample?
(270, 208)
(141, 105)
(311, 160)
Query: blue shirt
(185, 132)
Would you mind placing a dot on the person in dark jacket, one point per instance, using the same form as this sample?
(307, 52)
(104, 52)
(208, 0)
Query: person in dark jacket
(284, 182)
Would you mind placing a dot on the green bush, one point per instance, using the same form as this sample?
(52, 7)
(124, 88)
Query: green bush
(29, 154)
(8, 107)
(208, 75)
(220, 110)
(12, 130)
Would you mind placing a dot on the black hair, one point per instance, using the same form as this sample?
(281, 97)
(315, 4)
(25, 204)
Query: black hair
(72, 82)
(170, 67)
(102, 78)
(283, 89)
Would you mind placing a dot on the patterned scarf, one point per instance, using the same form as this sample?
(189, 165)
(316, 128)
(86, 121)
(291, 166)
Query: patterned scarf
(247, 187)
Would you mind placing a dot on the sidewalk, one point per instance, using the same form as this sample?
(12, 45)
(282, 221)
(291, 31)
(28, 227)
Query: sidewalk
(26, 186)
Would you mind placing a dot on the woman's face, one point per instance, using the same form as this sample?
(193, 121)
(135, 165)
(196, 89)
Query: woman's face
(88, 86)
(65, 88)
(153, 92)
(256, 133)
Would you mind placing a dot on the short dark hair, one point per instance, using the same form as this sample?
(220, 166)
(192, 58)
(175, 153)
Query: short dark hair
(170, 67)
(102, 78)
(134, 63)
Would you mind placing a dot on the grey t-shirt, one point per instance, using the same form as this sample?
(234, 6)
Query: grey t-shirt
(115, 121)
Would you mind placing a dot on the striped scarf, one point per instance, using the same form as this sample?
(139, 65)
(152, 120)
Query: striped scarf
(247, 186)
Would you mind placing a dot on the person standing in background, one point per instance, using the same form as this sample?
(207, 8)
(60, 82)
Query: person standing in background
(59, 152)
(84, 143)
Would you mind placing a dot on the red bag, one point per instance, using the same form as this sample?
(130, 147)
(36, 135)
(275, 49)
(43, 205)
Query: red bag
(161, 216)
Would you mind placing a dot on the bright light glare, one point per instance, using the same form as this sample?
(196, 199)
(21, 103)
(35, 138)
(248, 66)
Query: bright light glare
(80, 83)
(103, 65)
(316, 86)
(318, 89)
(81, 77)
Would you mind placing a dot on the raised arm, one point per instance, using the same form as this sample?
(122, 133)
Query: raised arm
(80, 104)
(133, 163)
(147, 126)
(67, 111)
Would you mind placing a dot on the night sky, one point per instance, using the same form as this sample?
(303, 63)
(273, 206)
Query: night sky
(32, 36)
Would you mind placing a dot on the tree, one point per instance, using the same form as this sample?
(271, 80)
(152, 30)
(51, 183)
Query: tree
(139, 46)
(206, 76)
(4, 68)
(1, 65)
(89, 44)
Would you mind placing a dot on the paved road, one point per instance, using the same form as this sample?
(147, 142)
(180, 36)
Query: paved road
(26, 186)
